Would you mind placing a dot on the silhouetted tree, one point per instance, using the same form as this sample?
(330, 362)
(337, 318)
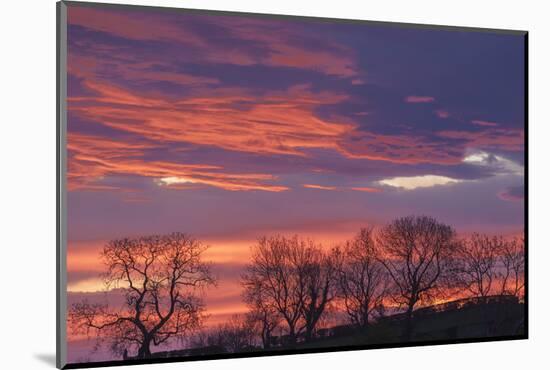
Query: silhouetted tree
(362, 279)
(513, 261)
(294, 278)
(235, 335)
(276, 271)
(320, 278)
(417, 254)
(477, 259)
(160, 276)
(262, 313)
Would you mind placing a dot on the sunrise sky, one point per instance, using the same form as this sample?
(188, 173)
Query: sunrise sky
(231, 127)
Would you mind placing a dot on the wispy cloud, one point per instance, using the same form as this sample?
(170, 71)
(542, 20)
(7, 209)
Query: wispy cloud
(419, 99)
(496, 163)
(280, 44)
(130, 25)
(484, 123)
(278, 122)
(495, 138)
(367, 189)
(92, 158)
(319, 187)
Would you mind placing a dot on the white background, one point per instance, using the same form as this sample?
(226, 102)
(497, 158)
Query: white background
(27, 180)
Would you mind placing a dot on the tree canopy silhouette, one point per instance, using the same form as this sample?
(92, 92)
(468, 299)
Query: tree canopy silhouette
(417, 252)
(235, 335)
(160, 276)
(362, 279)
(477, 258)
(262, 311)
(293, 278)
(513, 261)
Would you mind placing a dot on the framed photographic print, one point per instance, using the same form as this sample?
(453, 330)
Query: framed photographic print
(235, 185)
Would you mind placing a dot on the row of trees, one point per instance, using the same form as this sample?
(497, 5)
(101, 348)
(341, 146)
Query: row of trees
(292, 284)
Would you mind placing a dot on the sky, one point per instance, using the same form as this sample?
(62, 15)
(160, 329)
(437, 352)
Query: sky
(230, 127)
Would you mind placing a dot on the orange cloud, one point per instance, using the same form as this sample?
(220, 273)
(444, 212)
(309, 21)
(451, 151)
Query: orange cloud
(91, 158)
(132, 69)
(285, 47)
(275, 37)
(320, 187)
(130, 25)
(276, 123)
(279, 123)
(367, 189)
(327, 62)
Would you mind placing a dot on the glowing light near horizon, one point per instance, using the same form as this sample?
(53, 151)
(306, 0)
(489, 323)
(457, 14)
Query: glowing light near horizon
(415, 182)
(86, 286)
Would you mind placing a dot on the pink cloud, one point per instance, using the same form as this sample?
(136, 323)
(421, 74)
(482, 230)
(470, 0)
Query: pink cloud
(419, 99)
(319, 187)
(484, 123)
(283, 44)
(505, 139)
(92, 158)
(513, 194)
(130, 25)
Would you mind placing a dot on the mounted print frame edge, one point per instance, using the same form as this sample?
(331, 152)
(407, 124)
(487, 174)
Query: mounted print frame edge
(62, 190)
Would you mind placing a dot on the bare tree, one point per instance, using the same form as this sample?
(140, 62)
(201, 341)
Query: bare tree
(235, 335)
(513, 262)
(275, 270)
(362, 279)
(261, 312)
(417, 254)
(160, 276)
(292, 277)
(477, 259)
(319, 275)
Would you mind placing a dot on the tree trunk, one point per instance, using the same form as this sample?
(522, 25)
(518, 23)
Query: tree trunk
(292, 336)
(407, 335)
(144, 351)
(365, 314)
(309, 333)
(364, 325)
(266, 338)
